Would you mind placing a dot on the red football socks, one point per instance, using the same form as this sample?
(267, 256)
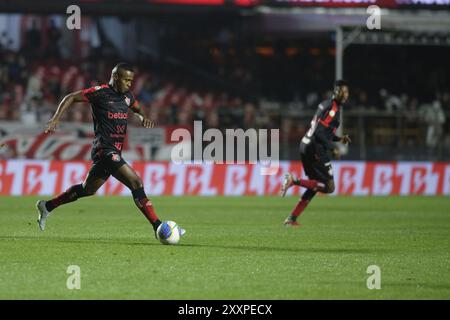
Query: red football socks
(70, 195)
(301, 205)
(146, 208)
(311, 184)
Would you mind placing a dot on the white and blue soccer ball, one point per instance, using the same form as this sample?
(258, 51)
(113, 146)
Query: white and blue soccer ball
(168, 232)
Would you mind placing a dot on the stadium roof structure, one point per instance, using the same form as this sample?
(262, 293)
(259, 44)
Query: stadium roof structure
(328, 19)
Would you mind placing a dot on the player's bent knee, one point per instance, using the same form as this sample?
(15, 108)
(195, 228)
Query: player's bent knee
(136, 184)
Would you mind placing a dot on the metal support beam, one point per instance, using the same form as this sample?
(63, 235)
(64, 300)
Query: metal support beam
(342, 42)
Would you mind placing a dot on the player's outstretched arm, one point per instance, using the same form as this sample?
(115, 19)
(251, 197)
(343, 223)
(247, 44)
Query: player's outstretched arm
(65, 103)
(344, 139)
(146, 122)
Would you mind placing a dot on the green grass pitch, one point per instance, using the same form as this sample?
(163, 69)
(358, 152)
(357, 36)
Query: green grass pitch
(235, 248)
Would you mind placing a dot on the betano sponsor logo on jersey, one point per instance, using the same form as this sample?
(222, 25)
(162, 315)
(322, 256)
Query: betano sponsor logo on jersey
(117, 115)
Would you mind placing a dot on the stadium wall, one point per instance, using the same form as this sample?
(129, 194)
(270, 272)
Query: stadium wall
(45, 177)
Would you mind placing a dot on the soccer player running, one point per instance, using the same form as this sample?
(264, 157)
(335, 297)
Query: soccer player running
(110, 104)
(314, 150)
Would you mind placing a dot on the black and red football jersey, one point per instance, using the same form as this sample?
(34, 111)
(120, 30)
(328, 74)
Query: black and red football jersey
(110, 116)
(324, 125)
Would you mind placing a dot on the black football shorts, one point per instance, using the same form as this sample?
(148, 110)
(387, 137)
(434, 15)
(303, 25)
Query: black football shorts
(316, 164)
(106, 164)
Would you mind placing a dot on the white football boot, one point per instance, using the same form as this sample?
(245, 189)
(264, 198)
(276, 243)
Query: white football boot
(287, 183)
(182, 231)
(43, 213)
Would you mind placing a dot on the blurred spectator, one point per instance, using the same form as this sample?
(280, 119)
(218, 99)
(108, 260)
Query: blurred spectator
(35, 84)
(54, 37)
(249, 116)
(33, 42)
(363, 101)
(29, 111)
(312, 99)
(393, 103)
(146, 93)
(434, 117)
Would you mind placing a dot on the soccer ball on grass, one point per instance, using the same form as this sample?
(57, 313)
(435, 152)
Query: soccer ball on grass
(168, 232)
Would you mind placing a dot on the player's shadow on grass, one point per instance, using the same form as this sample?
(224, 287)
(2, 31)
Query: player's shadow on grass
(152, 242)
(298, 250)
(83, 240)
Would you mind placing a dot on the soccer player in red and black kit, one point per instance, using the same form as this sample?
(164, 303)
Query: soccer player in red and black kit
(110, 104)
(314, 150)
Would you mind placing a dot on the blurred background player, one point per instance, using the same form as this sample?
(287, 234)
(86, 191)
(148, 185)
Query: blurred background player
(110, 104)
(314, 150)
